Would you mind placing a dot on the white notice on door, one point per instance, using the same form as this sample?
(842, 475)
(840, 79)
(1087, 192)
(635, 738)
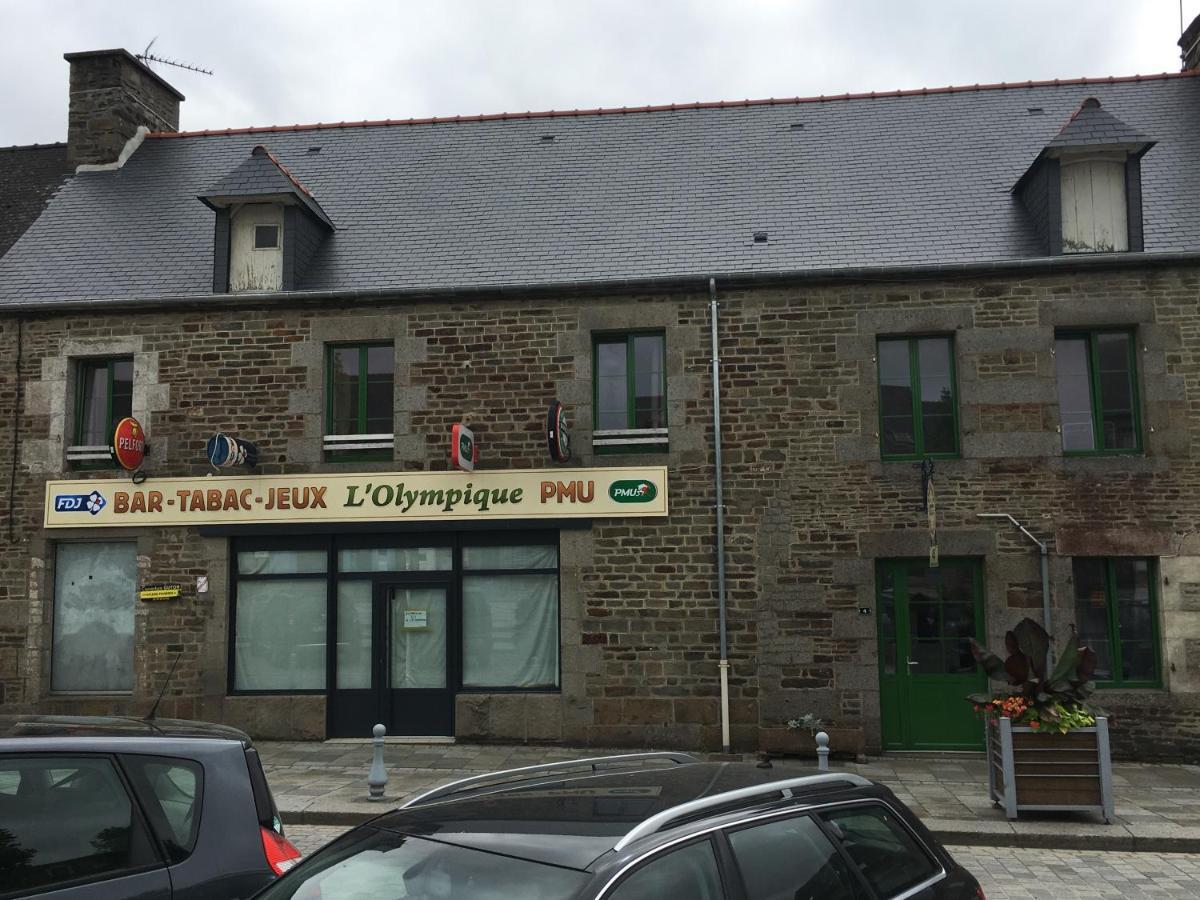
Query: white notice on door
(416, 619)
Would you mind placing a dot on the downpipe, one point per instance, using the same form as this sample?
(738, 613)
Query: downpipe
(1045, 553)
(720, 507)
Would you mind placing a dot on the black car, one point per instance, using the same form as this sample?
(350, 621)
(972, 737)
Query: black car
(657, 826)
(133, 808)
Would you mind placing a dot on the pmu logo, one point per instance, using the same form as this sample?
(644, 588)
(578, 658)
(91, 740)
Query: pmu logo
(632, 491)
(90, 503)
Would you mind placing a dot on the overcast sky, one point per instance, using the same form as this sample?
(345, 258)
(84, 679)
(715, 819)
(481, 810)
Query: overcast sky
(306, 61)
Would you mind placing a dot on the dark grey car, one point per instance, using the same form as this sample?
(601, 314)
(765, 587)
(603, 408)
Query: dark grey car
(656, 827)
(125, 808)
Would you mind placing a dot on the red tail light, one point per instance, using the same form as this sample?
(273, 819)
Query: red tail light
(979, 893)
(281, 855)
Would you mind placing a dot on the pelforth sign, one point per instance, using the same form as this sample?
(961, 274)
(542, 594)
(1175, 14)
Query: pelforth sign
(368, 497)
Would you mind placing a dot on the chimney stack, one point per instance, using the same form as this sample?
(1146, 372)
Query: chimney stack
(1189, 44)
(112, 94)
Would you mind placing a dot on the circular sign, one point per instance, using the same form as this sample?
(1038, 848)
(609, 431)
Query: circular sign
(129, 444)
(558, 435)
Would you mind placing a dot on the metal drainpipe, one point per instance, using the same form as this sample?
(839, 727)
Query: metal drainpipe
(1042, 546)
(720, 488)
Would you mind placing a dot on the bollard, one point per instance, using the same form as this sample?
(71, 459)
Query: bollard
(377, 779)
(822, 751)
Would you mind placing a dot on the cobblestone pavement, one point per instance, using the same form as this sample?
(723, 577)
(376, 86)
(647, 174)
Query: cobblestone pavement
(1008, 873)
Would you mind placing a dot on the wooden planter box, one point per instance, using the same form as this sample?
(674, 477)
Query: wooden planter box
(1028, 771)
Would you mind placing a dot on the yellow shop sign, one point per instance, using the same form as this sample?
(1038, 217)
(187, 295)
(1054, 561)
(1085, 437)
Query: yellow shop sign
(366, 497)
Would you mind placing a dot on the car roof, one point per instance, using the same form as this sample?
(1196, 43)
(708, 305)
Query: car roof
(116, 726)
(573, 821)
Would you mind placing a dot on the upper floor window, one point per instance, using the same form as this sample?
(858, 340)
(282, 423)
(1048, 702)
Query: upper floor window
(1115, 615)
(1097, 392)
(630, 392)
(1094, 214)
(359, 387)
(104, 389)
(918, 408)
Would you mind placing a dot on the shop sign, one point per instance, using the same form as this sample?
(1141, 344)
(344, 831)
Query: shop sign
(558, 433)
(160, 592)
(129, 444)
(618, 492)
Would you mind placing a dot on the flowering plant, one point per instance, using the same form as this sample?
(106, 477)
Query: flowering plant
(1053, 702)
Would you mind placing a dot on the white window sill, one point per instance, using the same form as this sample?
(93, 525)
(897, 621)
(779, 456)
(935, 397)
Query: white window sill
(633, 438)
(89, 453)
(345, 443)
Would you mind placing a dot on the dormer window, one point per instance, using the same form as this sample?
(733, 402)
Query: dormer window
(1084, 191)
(1095, 216)
(268, 227)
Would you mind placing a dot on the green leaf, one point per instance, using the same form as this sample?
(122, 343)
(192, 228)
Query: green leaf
(980, 698)
(1068, 660)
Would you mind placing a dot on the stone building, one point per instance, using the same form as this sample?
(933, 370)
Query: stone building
(928, 306)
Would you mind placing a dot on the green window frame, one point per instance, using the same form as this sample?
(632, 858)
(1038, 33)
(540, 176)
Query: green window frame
(643, 369)
(348, 400)
(926, 441)
(1112, 394)
(1118, 624)
(104, 396)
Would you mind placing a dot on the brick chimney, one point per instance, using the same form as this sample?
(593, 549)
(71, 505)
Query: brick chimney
(112, 94)
(1189, 44)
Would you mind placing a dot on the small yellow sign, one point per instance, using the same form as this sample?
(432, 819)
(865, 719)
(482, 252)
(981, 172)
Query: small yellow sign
(160, 592)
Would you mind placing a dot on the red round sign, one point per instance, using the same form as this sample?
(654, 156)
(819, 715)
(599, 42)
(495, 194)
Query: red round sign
(129, 444)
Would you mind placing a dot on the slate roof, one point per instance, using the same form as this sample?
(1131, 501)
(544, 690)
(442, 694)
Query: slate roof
(28, 176)
(913, 179)
(260, 175)
(1094, 126)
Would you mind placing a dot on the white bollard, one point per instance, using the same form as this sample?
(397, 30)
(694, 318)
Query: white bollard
(377, 779)
(822, 751)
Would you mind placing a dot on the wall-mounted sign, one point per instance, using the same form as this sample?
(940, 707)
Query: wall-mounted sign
(558, 435)
(160, 592)
(416, 620)
(464, 452)
(224, 450)
(618, 492)
(129, 444)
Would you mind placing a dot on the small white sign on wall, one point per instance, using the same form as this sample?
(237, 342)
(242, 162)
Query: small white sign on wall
(416, 619)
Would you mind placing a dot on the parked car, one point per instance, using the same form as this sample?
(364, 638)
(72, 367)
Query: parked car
(654, 827)
(113, 808)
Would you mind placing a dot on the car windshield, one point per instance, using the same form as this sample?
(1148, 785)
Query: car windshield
(380, 865)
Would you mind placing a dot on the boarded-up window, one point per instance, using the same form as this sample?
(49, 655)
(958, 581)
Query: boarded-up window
(1094, 218)
(94, 587)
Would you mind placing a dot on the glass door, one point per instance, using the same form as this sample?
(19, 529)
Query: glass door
(392, 660)
(927, 617)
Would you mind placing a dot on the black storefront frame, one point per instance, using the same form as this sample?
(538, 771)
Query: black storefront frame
(333, 542)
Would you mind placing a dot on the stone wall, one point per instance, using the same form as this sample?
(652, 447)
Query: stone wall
(809, 505)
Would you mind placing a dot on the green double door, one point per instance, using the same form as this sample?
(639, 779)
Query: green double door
(926, 619)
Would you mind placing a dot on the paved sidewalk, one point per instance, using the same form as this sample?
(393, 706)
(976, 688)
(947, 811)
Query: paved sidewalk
(1157, 805)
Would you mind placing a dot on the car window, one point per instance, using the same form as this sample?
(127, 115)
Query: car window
(369, 864)
(688, 872)
(791, 859)
(883, 848)
(65, 819)
(171, 791)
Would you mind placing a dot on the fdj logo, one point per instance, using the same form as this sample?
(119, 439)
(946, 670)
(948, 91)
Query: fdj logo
(91, 503)
(632, 491)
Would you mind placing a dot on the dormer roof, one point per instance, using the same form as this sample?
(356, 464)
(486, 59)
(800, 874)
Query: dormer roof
(1092, 126)
(260, 178)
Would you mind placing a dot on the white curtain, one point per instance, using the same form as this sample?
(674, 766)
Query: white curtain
(510, 630)
(418, 640)
(280, 635)
(354, 635)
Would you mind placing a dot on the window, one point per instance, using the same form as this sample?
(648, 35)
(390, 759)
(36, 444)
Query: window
(1094, 216)
(630, 392)
(1097, 392)
(791, 858)
(105, 397)
(359, 417)
(279, 620)
(510, 616)
(68, 819)
(883, 849)
(94, 588)
(1116, 616)
(172, 788)
(266, 237)
(689, 872)
(918, 414)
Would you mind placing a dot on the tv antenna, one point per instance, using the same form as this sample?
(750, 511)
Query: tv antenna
(147, 57)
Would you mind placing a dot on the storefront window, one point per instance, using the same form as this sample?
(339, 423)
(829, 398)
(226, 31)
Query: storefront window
(279, 622)
(94, 589)
(510, 617)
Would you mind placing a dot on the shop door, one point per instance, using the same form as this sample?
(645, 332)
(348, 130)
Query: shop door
(926, 618)
(393, 659)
